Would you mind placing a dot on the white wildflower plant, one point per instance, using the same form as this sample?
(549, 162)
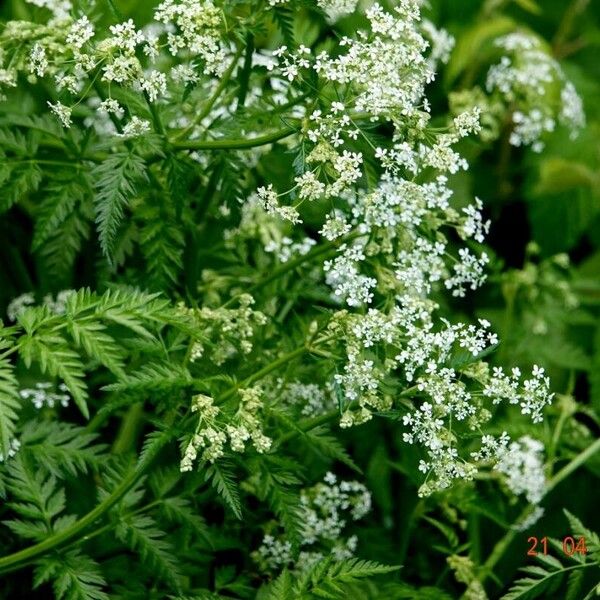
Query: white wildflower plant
(296, 203)
(325, 511)
(527, 87)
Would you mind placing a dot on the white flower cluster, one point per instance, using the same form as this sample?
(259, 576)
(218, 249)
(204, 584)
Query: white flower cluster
(269, 200)
(42, 395)
(313, 399)
(212, 434)
(336, 9)
(228, 331)
(410, 348)
(326, 509)
(526, 78)
(532, 395)
(403, 233)
(55, 305)
(14, 447)
(60, 9)
(285, 248)
(344, 277)
(442, 43)
(196, 26)
(68, 49)
(523, 465)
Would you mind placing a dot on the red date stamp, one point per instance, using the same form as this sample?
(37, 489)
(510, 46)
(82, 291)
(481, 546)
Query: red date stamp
(570, 546)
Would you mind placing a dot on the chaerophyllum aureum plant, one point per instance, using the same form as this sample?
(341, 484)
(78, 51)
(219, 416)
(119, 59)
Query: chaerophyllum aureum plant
(247, 250)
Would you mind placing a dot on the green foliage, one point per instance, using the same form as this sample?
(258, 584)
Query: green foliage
(328, 579)
(189, 410)
(115, 180)
(9, 399)
(74, 576)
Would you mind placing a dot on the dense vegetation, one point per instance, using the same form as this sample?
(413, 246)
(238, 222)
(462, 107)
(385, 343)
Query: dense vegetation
(299, 299)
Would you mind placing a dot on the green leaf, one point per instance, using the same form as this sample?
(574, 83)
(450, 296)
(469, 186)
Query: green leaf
(284, 19)
(221, 477)
(559, 175)
(35, 497)
(530, 6)
(116, 181)
(327, 578)
(74, 576)
(61, 448)
(141, 534)
(321, 440)
(60, 200)
(475, 45)
(579, 530)
(10, 404)
(54, 356)
(281, 588)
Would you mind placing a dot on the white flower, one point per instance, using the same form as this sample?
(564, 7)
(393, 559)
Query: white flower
(523, 466)
(110, 105)
(62, 112)
(126, 37)
(154, 84)
(14, 446)
(335, 226)
(134, 128)
(336, 9)
(38, 62)
(80, 32)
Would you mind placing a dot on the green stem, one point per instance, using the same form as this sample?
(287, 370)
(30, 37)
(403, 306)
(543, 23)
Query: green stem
(19, 559)
(572, 466)
(307, 425)
(235, 144)
(211, 101)
(114, 10)
(244, 77)
(156, 120)
(282, 360)
(129, 430)
(324, 249)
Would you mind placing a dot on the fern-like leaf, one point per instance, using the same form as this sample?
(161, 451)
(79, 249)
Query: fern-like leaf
(540, 580)
(74, 576)
(63, 449)
(10, 404)
(54, 356)
(59, 202)
(142, 535)
(322, 441)
(326, 579)
(284, 19)
(281, 588)
(36, 498)
(116, 181)
(221, 477)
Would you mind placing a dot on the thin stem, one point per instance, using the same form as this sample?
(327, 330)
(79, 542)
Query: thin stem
(235, 144)
(129, 430)
(572, 466)
(325, 249)
(156, 120)
(567, 23)
(282, 360)
(307, 425)
(114, 10)
(244, 77)
(19, 559)
(211, 101)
